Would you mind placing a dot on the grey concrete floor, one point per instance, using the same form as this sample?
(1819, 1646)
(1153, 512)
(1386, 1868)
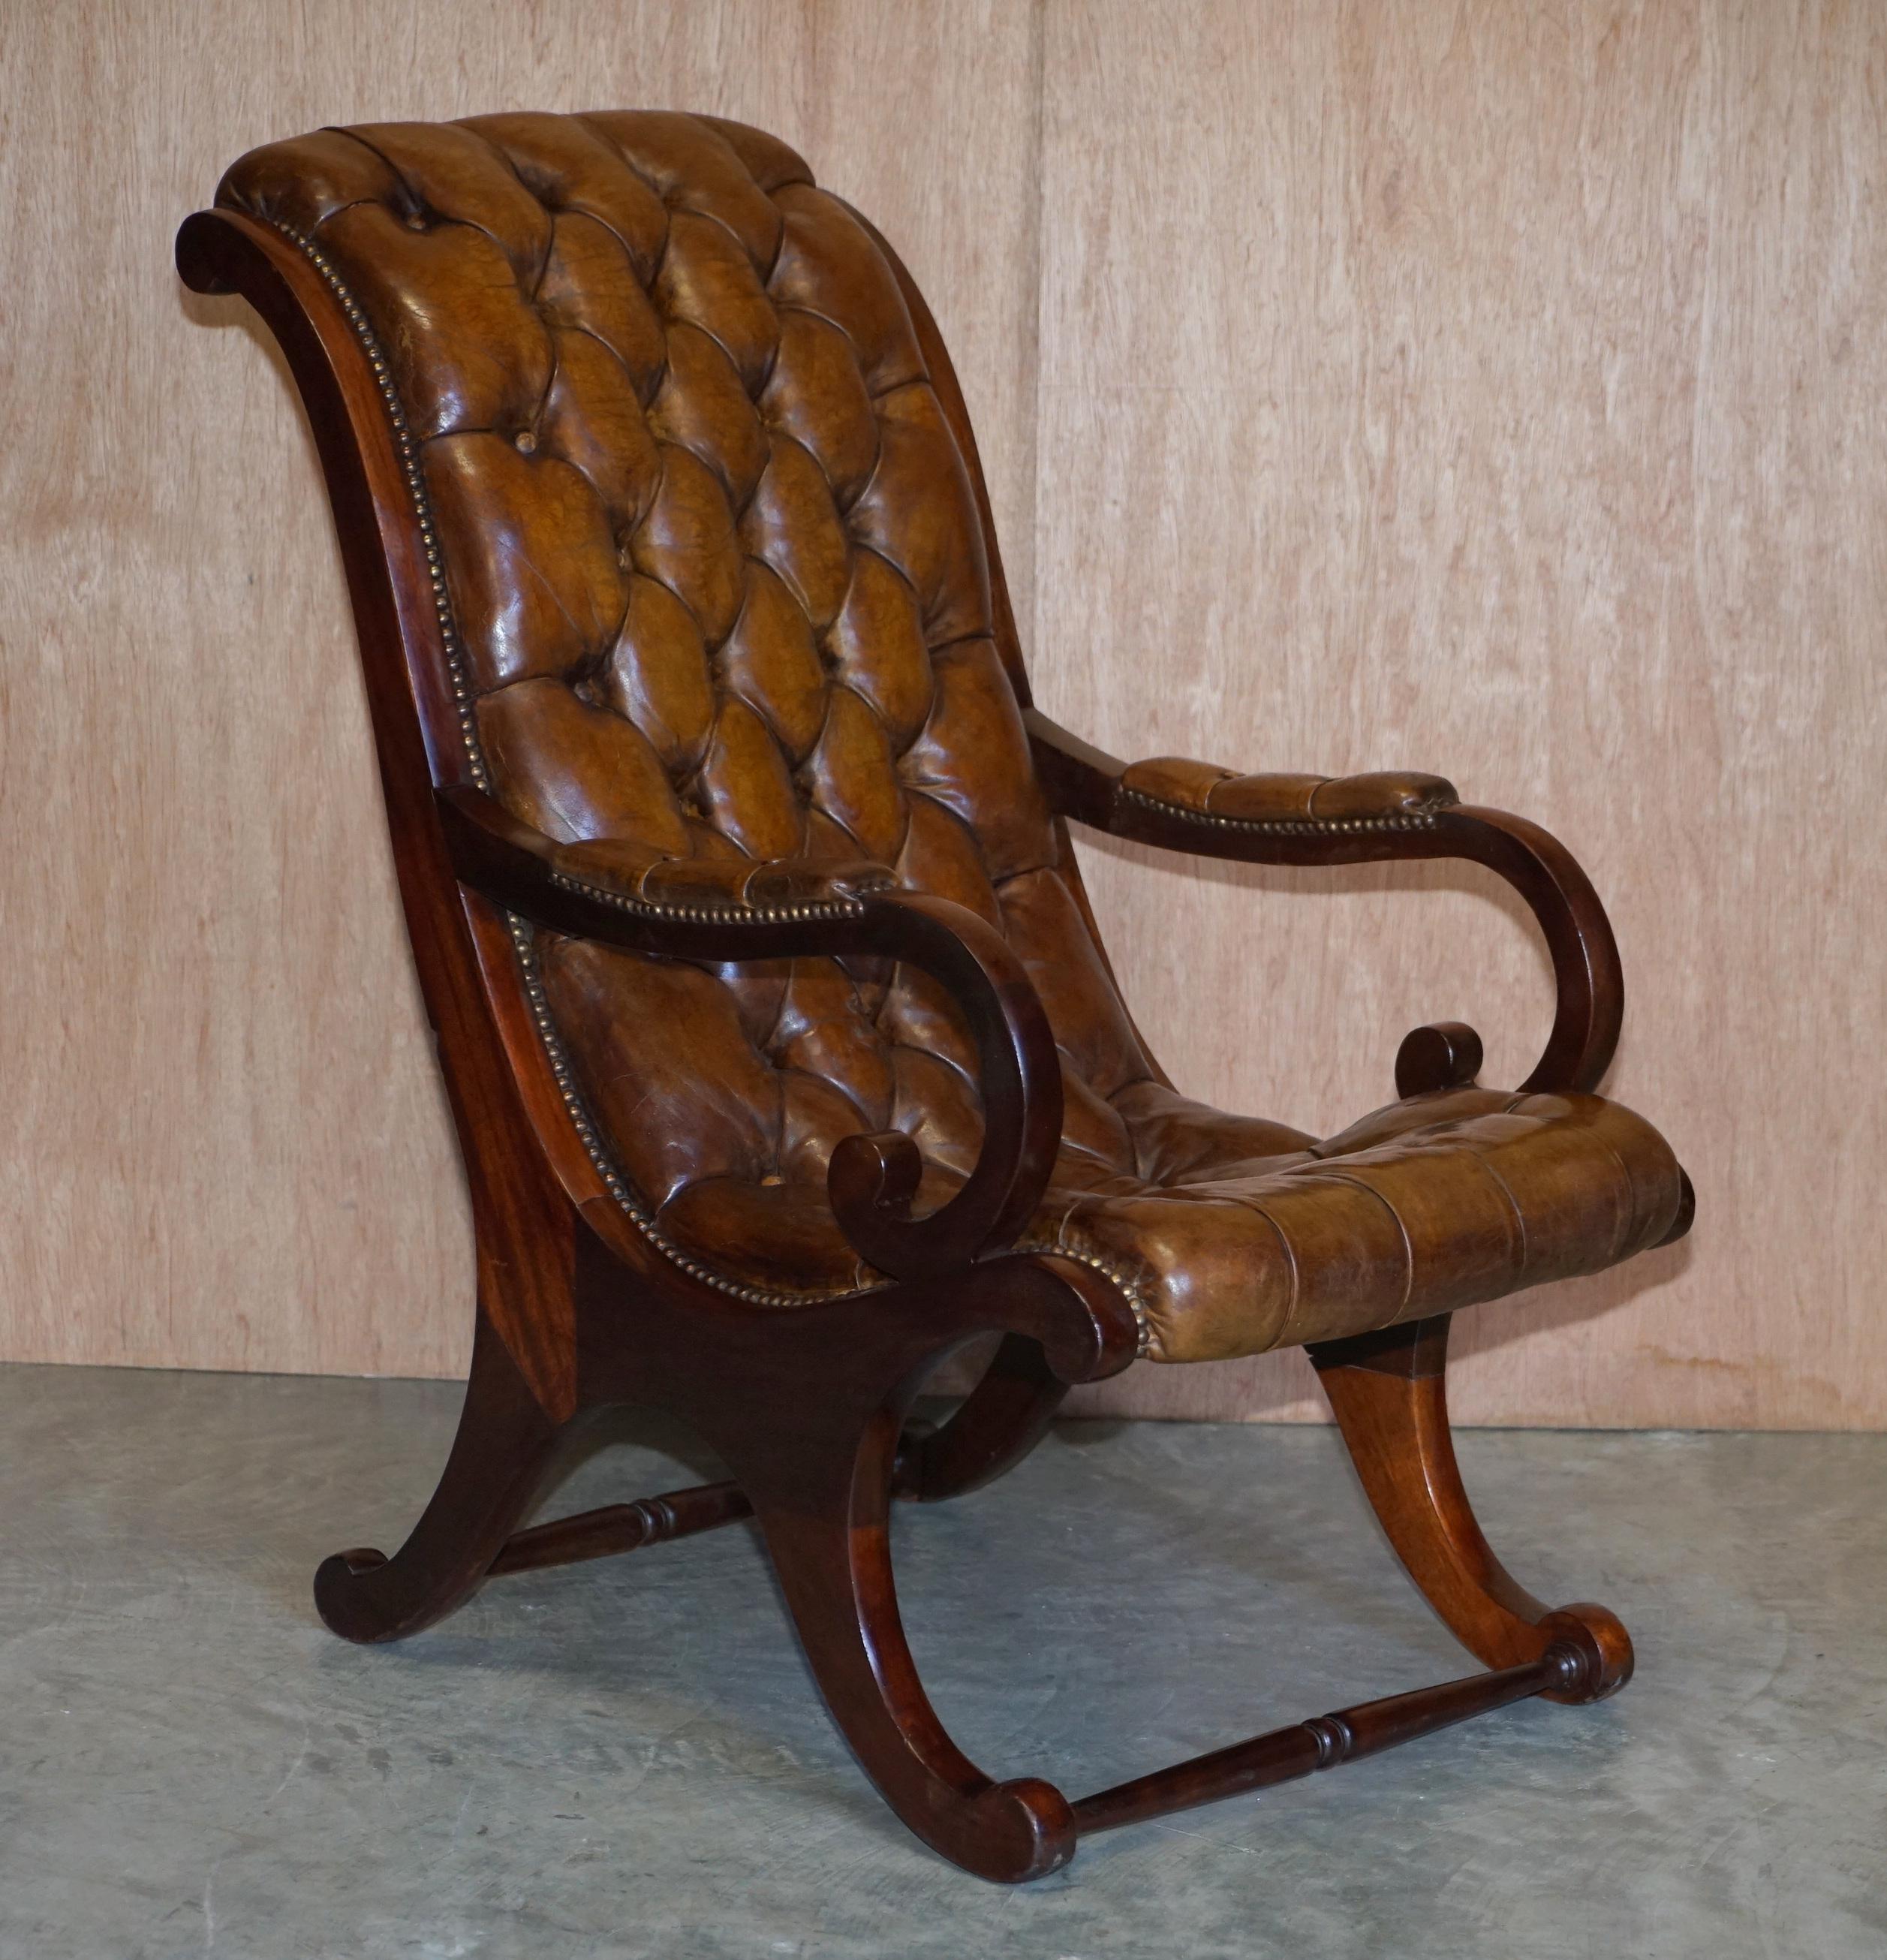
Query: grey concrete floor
(627, 1758)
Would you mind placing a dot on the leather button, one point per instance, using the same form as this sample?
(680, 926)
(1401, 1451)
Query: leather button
(415, 221)
(525, 440)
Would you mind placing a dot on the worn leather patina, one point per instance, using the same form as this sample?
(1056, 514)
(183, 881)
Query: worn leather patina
(717, 554)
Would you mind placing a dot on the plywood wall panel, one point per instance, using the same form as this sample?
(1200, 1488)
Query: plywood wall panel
(1496, 390)
(222, 1140)
(1492, 389)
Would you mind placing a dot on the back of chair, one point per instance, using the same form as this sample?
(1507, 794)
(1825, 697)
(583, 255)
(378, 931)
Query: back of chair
(718, 592)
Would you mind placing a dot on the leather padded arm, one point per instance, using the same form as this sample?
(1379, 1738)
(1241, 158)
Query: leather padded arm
(1284, 820)
(627, 869)
(693, 910)
(1206, 790)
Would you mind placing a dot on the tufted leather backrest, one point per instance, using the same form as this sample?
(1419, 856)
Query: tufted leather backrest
(716, 563)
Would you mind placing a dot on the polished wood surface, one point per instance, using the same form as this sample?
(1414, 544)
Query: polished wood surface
(615, 1528)
(1346, 1735)
(1389, 1391)
(1526, 354)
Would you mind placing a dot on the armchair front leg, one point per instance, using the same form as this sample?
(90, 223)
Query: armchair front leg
(1309, 820)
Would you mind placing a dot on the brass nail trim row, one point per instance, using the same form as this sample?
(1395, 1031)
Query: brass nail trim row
(1128, 1289)
(416, 489)
(785, 915)
(599, 1154)
(1281, 827)
(625, 1196)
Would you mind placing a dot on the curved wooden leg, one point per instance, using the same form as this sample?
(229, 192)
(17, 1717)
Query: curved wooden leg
(997, 1424)
(825, 1516)
(1389, 1393)
(503, 1455)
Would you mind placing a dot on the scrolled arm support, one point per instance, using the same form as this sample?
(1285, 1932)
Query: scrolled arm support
(872, 1179)
(1094, 788)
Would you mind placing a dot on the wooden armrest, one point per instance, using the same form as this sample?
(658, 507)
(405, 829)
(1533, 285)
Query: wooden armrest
(605, 891)
(1278, 819)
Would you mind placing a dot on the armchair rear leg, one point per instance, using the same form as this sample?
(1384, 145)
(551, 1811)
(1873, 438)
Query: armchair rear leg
(1389, 1392)
(825, 1518)
(505, 1451)
(1004, 1417)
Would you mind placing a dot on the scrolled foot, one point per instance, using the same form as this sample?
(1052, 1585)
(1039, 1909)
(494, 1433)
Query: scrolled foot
(1598, 1638)
(828, 1536)
(505, 1448)
(345, 1607)
(1020, 1830)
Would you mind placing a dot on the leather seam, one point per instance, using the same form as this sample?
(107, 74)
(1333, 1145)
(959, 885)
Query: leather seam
(1482, 1158)
(622, 156)
(1633, 1210)
(550, 214)
(1256, 1204)
(1396, 1219)
(425, 204)
(596, 218)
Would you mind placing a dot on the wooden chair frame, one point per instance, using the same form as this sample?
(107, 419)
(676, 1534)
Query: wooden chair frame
(807, 1405)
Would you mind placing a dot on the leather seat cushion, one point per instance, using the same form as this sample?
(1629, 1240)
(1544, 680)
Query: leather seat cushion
(1236, 1235)
(1439, 1202)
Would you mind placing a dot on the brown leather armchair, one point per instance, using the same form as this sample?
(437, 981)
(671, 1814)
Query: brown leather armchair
(785, 1055)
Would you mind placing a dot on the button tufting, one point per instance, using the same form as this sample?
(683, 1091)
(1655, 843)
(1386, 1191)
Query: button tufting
(797, 659)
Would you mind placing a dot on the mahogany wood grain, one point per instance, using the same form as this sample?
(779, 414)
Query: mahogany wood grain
(1389, 1391)
(1443, 1055)
(515, 1205)
(1325, 1741)
(507, 1452)
(615, 1528)
(1006, 1414)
